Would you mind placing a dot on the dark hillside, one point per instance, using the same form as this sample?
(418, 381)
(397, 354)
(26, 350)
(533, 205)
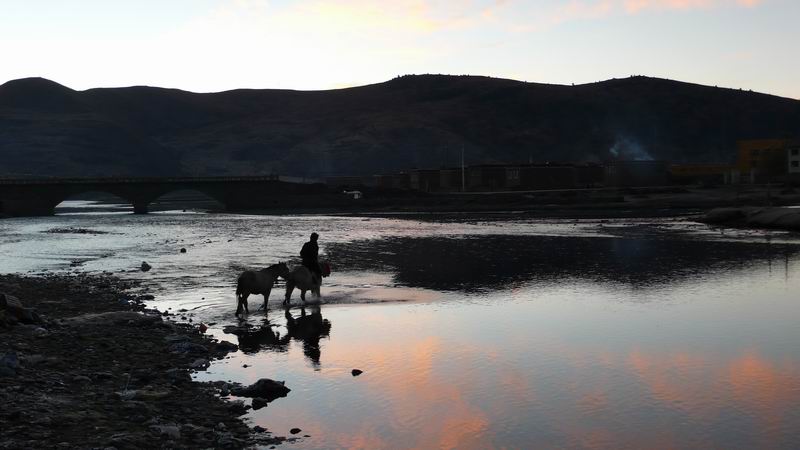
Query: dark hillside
(411, 121)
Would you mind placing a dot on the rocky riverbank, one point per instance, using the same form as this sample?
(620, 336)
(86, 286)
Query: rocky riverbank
(83, 364)
(780, 218)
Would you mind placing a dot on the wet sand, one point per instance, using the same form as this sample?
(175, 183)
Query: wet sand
(99, 370)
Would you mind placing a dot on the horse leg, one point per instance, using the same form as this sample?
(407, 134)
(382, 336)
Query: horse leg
(244, 301)
(303, 295)
(266, 297)
(289, 289)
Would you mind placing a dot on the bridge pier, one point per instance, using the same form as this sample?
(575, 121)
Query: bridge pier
(27, 206)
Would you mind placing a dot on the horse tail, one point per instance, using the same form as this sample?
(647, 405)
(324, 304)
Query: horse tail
(239, 297)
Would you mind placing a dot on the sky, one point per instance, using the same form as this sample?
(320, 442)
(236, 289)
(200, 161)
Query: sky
(216, 45)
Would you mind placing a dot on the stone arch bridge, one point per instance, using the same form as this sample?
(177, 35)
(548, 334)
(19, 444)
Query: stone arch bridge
(39, 197)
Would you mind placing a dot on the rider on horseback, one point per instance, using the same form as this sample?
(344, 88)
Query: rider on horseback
(310, 255)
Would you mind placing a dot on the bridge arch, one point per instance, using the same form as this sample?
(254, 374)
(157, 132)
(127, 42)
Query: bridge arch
(91, 201)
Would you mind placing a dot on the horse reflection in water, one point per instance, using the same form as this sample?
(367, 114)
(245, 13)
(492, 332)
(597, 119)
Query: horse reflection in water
(308, 328)
(253, 340)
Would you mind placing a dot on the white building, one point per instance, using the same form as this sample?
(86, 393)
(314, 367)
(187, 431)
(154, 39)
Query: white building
(793, 157)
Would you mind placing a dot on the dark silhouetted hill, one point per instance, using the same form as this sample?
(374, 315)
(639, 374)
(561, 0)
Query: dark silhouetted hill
(412, 121)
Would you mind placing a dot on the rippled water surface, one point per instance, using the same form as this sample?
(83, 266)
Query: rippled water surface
(478, 332)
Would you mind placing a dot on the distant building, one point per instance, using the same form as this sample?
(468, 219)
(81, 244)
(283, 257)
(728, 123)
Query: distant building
(793, 160)
(355, 195)
(589, 175)
(450, 180)
(353, 181)
(764, 160)
(394, 181)
(506, 177)
(703, 173)
(426, 180)
(541, 177)
(636, 173)
(486, 177)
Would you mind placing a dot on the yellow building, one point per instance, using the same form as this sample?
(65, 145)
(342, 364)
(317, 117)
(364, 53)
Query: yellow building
(761, 156)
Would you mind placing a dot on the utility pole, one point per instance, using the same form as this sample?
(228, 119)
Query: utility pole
(463, 181)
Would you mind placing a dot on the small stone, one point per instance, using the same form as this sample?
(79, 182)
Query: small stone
(183, 250)
(259, 429)
(295, 430)
(40, 332)
(226, 346)
(199, 363)
(356, 372)
(145, 267)
(170, 431)
(9, 364)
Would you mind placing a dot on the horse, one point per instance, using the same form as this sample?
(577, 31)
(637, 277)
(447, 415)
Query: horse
(303, 279)
(258, 282)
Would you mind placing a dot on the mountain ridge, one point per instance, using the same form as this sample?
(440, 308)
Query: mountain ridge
(412, 121)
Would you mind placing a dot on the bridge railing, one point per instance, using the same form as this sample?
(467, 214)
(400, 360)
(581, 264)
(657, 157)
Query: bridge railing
(138, 180)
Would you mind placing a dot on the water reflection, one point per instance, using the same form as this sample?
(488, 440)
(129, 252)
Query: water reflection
(620, 378)
(473, 263)
(306, 328)
(255, 339)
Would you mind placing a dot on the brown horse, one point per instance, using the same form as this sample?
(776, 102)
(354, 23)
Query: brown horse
(258, 282)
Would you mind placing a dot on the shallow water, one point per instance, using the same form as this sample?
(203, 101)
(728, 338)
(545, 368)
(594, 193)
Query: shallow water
(478, 332)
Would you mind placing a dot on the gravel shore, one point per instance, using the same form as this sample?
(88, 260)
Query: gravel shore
(93, 368)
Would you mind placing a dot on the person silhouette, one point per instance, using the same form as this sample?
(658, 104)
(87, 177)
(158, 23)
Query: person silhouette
(310, 255)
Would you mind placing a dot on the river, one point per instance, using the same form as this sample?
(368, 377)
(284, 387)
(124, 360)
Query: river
(476, 331)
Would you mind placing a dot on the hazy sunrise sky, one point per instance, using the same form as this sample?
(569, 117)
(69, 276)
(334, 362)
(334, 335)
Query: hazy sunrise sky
(213, 45)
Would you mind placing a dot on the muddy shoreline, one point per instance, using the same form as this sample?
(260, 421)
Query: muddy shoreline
(94, 368)
(570, 204)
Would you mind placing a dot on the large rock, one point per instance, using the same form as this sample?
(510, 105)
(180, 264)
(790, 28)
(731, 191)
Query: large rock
(755, 217)
(259, 403)
(722, 215)
(781, 218)
(9, 363)
(12, 307)
(263, 388)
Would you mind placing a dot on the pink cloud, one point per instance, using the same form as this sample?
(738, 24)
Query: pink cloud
(635, 6)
